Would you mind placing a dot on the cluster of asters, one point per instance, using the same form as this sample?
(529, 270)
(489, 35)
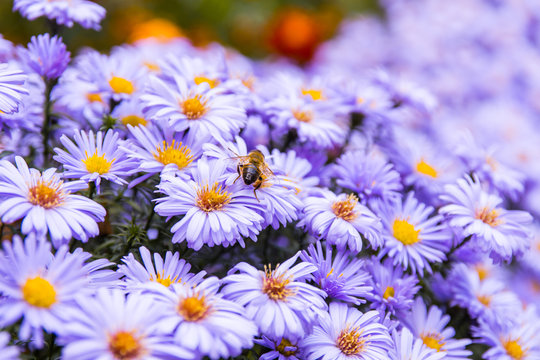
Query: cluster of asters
(400, 178)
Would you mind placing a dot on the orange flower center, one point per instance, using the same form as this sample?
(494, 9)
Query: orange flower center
(350, 342)
(275, 286)
(488, 216)
(194, 308)
(125, 345)
(345, 208)
(46, 194)
(194, 108)
(212, 198)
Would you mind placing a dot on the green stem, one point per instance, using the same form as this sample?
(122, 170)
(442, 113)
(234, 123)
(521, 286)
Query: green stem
(91, 190)
(47, 121)
(149, 220)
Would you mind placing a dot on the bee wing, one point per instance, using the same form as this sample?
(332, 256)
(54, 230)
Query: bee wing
(243, 160)
(267, 171)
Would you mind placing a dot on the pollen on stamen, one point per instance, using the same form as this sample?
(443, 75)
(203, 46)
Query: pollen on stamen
(194, 308)
(203, 79)
(93, 97)
(424, 168)
(303, 116)
(165, 281)
(39, 292)
(514, 350)
(97, 163)
(314, 93)
(126, 345)
(121, 86)
(133, 120)
(488, 216)
(484, 299)
(405, 232)
(433, 341)
(275, 286)
(174, 153)
(46, 194)
(286, 344)
(350, 341)
(194, 108)
(389, 292)
(212, 198)
(345, 208)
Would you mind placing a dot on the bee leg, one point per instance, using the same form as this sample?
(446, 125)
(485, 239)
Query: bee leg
(238, 177)
(255, 188)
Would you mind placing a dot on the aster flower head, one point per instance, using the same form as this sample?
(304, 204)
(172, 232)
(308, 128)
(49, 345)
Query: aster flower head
(47, 204)
(483, 298)
(503, 233)
(369, 175)
(65, 12)
(111, 325)
(281, 349)
(200, 109)
(408, 347)
(413, 237)
(166, 272)
(94, 157)
(518, 341)
(278, 300)
(341, 276)
(7, 352)
(46, 56)
(430, 326)
(215, 213)
(346, 333)
(203, 321)
(11, 88)
(159, 149)
(341, 220)
(393, 290)
(37, 287)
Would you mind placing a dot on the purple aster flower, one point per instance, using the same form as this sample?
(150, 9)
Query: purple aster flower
(520, 341)
(204, 111)
(503, 233)
(280, 302)
(487, 299)
(215, 213)
(38, 286)
(393, 290)
(158, 148)
(47, 204)
(110, 325)
(47, 56)
(281, 349)
(346, 333)
(276, 192)
(171, 271)
(369, 175)
(11, 89)
(413, 237)
(93, 157)
(203, 321)
(341, 220)
(65, 12)
(407, 347)
(342, 277)
(7, 352)
(430, 326)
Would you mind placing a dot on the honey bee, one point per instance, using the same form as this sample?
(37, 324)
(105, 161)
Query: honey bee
(253, 170)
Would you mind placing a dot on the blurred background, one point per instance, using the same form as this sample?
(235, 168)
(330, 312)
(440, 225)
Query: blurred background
(256, 28)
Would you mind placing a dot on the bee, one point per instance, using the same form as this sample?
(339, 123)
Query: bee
(253, 170)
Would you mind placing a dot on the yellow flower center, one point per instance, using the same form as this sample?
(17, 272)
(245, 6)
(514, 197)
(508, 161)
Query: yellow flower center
(212, 198)
(125, 345)
(275, 286)
(424, 168)
(345, 208)
(488, 216)
(121, 86)
(303, 116)
(433, 341)
(133, 120)
(46, 195)
(285, 344)
(203, 79)
(194, 108)
(315, 94)
(97, 163)
(350, 342)
(484, 299)
(194, 308)
(513, 349)
(165, 281)
(483, 272)
(405, 232)
(94, 97)
(174, 153)
(39, 292)
(389, 292)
